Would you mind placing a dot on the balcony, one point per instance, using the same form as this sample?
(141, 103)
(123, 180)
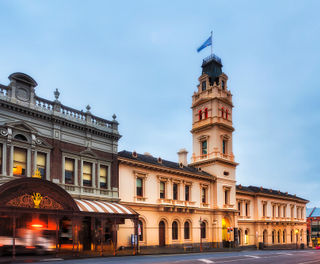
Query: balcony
(212, 155)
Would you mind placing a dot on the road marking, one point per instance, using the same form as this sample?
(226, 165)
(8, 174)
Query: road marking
(311, 261)
(251, 256)
(52, 259)
(206, 260)
(288, 254)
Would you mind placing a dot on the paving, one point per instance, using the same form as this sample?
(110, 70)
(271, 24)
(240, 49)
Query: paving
(243, 257)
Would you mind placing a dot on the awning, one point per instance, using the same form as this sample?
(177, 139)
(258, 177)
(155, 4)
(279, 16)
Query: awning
(103, 207)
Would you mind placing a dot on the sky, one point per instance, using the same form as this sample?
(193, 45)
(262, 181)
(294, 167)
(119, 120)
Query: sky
(138, 59)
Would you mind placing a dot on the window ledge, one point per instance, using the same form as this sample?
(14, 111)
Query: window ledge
(140, 198)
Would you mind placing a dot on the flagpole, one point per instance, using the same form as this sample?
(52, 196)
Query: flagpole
(211, 42)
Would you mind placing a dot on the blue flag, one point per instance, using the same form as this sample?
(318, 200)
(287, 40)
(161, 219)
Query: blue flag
(207, 43)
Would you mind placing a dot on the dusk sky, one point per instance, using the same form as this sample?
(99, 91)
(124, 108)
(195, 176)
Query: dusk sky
(138, 59)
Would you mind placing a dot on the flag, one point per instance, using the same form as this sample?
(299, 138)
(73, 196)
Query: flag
(207, 43)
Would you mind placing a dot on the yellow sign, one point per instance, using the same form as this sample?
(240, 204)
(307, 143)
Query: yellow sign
(36, 197)
(37, 174)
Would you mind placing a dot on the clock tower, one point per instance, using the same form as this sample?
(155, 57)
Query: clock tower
(212, 130)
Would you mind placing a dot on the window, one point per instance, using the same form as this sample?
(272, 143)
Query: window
(200, 115)
(140, 230)
(246, 237)
(278, 236)
(224, 146)
(20, 137)
(247, 209)
(291, 236)
(273, 211)
(174, 230)
(203, 228)
(284, 211)
(139, 187)
(284, 236)
(204, 84)
(227, 114)
(204, 195)
(264, 210)
(41, 164)
(291, 213)
(103, 176)
(206, 113)
(187, 192)
(175, 191)
(222, 112)
(279, 211)
(273, 237)
(187, 230)
(222, 85)
(204, 147)
(19, 161)
(226, 196)
(87, 174)
(239, 208)
(162, 190)
(69, 171)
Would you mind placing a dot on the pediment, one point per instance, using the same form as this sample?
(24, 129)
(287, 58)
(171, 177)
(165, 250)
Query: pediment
(89, 152)
(21, 125)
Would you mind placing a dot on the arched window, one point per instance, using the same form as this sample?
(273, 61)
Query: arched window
(200, 115)
(273, 236)
(186, 230)
(203, 229)
(291, 236)
(206, 113)
(284, 236)
(227, 114)
(140, 230)
(222, 112)
(174, 230)
(279, 236)
(265, 236)
(240, 236)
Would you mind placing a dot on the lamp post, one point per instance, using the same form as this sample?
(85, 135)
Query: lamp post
(200, 222)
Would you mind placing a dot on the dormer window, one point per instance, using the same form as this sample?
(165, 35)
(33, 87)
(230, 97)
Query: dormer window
(204, 85)
(206, 113)
(200, 115)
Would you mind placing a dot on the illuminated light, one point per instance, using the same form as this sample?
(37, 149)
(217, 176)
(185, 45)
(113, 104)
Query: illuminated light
(37, 225)
(30, 247)
(17, 170)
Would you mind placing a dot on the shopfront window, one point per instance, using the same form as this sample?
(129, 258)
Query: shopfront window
(19, 161)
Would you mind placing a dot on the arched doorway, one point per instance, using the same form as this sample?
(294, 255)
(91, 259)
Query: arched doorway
(240, 237)
(162, 233)
(226, 232)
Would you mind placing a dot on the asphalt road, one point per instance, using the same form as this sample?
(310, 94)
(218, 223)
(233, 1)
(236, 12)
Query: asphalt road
(243, 257)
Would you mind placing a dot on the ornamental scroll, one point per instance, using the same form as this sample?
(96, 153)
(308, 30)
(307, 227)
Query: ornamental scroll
(35, 200)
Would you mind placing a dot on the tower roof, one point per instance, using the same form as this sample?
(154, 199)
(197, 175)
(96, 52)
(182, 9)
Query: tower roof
(212, 66)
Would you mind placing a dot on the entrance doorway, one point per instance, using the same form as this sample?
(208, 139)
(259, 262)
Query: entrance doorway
(162, 234)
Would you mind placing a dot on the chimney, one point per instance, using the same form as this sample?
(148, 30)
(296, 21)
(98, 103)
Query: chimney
(182, 154)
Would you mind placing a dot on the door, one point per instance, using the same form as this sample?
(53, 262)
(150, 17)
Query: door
(162, 234)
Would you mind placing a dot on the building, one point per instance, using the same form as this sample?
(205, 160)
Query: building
(271, 217)
(181, 204)
(58, 169)
(313, 229)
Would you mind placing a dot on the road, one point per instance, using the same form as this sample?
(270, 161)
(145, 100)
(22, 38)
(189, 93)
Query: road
(243, 257)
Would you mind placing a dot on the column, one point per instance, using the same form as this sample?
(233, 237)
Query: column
(11, 161)
(28, 162)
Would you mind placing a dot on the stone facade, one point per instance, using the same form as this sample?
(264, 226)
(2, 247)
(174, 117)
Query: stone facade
(41, 135)
(176, 220)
